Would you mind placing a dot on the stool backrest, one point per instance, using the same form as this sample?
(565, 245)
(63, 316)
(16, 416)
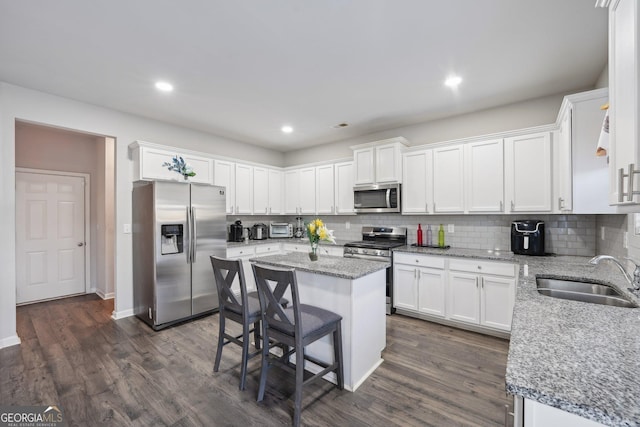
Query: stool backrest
(225, 272)
(270, 297)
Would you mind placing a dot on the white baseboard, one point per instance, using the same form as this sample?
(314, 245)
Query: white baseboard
(9, 341)
(102, 295)
(116, 315)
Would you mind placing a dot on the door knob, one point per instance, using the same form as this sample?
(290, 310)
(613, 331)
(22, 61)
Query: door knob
(81, 244)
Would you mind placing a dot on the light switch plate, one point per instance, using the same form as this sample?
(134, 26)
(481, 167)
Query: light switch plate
(450, 228)
(625, 240)
(602, 233)
(127, 228)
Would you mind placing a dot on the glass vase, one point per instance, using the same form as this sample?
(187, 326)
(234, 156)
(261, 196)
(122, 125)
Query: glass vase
(313, 255)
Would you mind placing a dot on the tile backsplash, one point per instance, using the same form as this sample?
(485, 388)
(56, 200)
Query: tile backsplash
(565, 234)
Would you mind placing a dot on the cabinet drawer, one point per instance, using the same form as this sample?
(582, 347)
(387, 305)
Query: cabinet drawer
(484, 267)
(267, 249)
(293, 247)
(419, 260)
(240, 251)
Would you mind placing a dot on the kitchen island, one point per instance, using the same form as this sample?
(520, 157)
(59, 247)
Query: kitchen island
(352, 288)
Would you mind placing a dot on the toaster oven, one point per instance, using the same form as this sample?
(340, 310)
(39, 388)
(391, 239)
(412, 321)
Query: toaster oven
(280, 230)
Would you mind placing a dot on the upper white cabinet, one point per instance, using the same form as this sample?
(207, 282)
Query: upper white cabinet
(149, 159)
(581, 179)
(275, 191)
(624, 73)
(244, 189)
(225, 175)
(267, 191)
(448, 179)
(417, 178)
(378, 162)
(300, 191)
(325, 190)
(344, 188)
(528, 173)
(484, 176)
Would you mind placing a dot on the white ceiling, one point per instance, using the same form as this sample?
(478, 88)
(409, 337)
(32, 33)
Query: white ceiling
(241, 69)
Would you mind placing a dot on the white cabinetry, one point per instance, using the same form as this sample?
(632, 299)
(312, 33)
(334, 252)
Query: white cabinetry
(624, 86)
(148, 160)
(300, 191)
(244, 189)
(528, 173)
(225, 175)
(267, 191)
(417, 178)
(482, 292)
(563, 170)
(244, 254)
(419, 283)
(325, 190)
(448, 179)
(344, 188)
(539, 415)
(484, 176)
(378, 162)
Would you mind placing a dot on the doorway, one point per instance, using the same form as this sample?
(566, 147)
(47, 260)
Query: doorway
(43, 149)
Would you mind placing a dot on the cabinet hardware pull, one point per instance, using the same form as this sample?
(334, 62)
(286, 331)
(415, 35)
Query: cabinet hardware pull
(266, 210)
(419, 274)
(426, 207)
(501, 206)
(434, 207)
(512, 206)
(560, 203)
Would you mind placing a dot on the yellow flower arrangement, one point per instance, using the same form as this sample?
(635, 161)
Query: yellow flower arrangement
(316, 231)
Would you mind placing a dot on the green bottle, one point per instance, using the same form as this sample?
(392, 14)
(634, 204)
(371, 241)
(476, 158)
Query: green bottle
(441, 236)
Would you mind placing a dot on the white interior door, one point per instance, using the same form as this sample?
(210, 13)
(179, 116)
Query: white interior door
(50, 236)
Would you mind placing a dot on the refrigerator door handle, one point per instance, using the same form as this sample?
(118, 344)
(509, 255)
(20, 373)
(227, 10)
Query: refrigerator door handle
(188, 236)
(194, 233)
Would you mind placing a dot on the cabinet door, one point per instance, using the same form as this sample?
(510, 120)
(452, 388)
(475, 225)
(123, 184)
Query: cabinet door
(431, 291)
(275, 191)
(260, 191)
(562, 166)
(244, 186)
(405, 287)
(464, 297)
(448, 179)
(364, 166)
(324, 190)
(417, 178)
(624, 73)
(528, 173)
(497, 297)
(292, 192)
(224, 175)
(388, 164)
(202, 167)
(344, 187)
(484, 176)
(307, 190)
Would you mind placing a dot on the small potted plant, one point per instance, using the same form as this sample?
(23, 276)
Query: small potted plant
(179, 165)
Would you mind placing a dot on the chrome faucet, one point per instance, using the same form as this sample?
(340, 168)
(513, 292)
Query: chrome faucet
(635, 282)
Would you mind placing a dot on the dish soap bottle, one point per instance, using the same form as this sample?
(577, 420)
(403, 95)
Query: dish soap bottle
(429, 236)
(441, 236)
(419, 239)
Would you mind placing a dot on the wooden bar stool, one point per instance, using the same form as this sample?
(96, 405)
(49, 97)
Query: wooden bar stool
(296, 327)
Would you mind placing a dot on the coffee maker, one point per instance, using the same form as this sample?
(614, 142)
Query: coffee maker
(527, 237)
(235, 232)
(299, 231)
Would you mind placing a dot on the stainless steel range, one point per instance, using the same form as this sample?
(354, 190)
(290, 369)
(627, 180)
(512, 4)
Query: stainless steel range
(376, 245)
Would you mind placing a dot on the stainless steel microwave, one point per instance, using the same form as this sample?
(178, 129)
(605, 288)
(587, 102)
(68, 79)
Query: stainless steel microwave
(376, 198)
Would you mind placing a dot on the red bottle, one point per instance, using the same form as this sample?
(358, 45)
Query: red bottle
(419, 235)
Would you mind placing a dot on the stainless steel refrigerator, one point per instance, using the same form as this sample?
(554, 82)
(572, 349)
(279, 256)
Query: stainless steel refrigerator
(176, 227)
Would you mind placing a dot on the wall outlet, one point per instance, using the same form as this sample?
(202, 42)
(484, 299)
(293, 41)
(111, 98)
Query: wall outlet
(450, 228)
(126, 228)
(347, 225)
(625, 240)
(602, 233)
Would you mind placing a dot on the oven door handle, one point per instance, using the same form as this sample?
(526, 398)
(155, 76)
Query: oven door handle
(368, 257)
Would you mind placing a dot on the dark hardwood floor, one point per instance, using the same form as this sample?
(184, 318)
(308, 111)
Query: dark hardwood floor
(120, 373)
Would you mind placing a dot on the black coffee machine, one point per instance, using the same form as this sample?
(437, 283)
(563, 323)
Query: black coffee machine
(235, 232)
(527, 237)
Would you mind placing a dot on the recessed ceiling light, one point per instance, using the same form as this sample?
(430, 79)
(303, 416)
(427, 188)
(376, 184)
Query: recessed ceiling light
(453, 81)
(286, 129)
(164, 86)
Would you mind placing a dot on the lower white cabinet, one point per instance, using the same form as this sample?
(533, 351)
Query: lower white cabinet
(245, 253)
(539, 415)
(473, 292)
(482, 292)
(419, 283)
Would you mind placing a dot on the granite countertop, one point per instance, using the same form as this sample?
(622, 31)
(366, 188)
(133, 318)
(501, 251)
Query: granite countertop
(579, 357)
(345, 268)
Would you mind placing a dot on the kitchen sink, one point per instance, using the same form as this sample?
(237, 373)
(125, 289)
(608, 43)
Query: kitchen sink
(574, 290)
